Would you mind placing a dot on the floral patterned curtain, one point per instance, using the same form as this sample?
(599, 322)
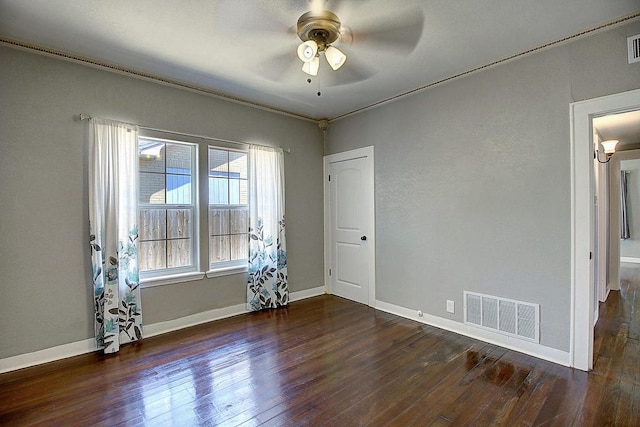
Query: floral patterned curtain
(113, 194)
(267, 282)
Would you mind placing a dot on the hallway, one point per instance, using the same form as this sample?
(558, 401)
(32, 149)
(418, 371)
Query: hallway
(613, 391)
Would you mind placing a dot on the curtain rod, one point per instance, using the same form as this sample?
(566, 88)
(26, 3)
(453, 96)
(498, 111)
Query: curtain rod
(82, 117)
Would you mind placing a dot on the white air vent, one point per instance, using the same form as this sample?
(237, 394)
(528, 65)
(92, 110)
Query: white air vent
(633, 43)
(516, 318)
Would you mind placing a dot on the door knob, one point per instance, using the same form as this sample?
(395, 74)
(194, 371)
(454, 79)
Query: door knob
(363, 238)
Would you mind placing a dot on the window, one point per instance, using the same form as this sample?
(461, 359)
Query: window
(169, 217)
(167, 207)
(228, 209)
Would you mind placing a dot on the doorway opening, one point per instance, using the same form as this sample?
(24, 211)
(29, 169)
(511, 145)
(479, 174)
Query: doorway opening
(614, 215)
(617, 213)
(583, 218)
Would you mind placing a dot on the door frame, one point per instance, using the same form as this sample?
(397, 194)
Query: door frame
(582, 221)
(368, 153)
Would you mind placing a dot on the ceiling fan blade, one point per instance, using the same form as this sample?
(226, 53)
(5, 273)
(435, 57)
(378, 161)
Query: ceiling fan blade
(346, 35)
(236, 17)
(398, 33)
(280, 67)
(352, 71)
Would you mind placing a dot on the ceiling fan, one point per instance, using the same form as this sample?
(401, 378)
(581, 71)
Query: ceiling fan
(319, 29)
(356, 38)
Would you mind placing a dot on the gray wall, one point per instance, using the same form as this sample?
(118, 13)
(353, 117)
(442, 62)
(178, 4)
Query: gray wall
(45, 282)
(631, 247)
(473, 180)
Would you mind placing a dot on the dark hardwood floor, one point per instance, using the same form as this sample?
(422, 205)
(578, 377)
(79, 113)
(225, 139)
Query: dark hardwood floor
(326, 361)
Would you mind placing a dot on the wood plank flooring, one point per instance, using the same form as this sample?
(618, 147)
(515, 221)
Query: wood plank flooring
(326, 361)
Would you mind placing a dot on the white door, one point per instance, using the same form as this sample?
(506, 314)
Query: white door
(349, 213)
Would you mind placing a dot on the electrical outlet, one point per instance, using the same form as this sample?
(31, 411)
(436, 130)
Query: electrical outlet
(451, 306)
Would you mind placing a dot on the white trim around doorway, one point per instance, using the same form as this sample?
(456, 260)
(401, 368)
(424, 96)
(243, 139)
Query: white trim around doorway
(582, 192)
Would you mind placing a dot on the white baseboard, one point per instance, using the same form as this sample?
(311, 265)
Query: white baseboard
(217, 314)
(307, 293)
(630, 259)
(192, 320)
(533, 349)
(47, 355)
(89, 345)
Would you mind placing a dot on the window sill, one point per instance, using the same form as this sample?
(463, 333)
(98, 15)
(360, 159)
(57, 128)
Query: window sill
(188, 277)
(226, 271)
(170, 280)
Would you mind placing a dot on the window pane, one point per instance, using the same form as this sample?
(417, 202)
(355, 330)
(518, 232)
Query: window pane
(227, 186)
(151, 156)
(179, 159)
(168, 238)
(178, 253)
(239, 221)
(218, 163)
(218, 221)
(152, 188)
(239, 246)
(153, 224)
(237, 165)
(218, 249)
(152, 255)
(234, 191)
(179, 223)
(218, 191)
(244, 193)
(179, 189)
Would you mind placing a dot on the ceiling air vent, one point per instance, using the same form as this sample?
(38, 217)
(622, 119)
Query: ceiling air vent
(633, 43)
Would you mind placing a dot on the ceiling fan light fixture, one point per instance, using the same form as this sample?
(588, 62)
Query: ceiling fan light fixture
(335, 57)
(312, 66)
(307, 51)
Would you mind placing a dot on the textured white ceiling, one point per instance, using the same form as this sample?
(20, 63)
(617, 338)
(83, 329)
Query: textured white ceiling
(246, 50)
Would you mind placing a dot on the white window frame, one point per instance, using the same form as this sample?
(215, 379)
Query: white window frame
(186, 273)
(233, 266)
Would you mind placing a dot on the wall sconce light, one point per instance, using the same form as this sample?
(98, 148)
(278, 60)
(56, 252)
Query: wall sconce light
(609, 147)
